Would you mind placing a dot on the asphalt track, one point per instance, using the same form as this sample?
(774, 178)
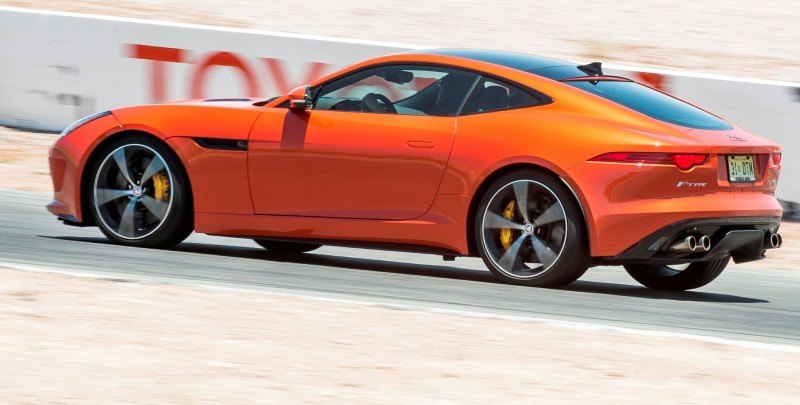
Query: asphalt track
(744, 304)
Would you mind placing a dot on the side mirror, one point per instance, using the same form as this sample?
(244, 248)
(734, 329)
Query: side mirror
(300, 98)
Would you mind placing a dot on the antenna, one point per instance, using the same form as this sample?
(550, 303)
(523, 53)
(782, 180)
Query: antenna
(592, 69)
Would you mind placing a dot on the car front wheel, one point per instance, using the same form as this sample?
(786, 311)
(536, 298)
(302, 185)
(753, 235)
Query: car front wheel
(139, 194)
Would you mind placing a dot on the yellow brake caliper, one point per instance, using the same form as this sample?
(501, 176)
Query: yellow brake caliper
(160, 186)
(505, 233)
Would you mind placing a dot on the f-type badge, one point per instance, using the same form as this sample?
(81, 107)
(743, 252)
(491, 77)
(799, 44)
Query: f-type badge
(689, 184)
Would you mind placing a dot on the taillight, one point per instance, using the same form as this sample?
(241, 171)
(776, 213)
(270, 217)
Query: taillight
(776, 158)
(684, 161)
(634, 157)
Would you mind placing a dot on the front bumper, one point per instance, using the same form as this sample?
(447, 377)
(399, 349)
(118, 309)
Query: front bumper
(63, 172)
(742, 238)
(68, 158)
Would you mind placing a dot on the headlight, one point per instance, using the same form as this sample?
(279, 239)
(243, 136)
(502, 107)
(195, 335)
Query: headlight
(84, 120)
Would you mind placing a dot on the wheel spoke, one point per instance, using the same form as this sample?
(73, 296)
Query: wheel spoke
(543, 230)
(553, 213)
(104, 195)
(157, 208)
(557, 233)
(126, 225)
(122, 164)
(546, 255)
(156, 165)
(497, 221)
(509, 259)
(521, 194)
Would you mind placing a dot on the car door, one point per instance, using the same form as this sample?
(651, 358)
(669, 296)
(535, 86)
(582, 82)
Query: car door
(374, 146)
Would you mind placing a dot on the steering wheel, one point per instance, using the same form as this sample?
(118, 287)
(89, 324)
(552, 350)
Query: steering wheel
(378, 103)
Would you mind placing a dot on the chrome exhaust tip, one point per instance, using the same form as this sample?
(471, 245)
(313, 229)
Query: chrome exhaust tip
(704, 243)
(687, 245)
(775, 240)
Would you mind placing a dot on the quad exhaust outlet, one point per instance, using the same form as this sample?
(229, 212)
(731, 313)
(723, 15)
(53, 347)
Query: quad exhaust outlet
(774, 240)
(704, 243)
(692, 244)
(689, 244)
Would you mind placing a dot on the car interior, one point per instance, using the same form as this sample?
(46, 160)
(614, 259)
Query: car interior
(401, 91)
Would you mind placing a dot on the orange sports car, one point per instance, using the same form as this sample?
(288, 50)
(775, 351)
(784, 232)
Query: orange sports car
(541, 167)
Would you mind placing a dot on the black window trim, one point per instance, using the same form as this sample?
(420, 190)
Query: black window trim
(546, 99)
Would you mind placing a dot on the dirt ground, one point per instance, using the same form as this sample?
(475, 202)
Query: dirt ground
(731, 37)
(23, 160)
(70, 339)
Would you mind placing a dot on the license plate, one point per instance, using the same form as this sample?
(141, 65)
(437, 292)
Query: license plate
(741, 169)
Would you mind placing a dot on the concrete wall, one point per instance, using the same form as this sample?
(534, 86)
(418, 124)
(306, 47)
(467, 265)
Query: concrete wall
(57, 67)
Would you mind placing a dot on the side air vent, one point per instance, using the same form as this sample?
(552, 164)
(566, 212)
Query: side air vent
(221, 144)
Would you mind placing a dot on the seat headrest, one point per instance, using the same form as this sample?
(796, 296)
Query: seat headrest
(493, 98)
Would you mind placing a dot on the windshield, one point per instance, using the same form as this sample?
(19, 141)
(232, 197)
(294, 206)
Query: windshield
(652, 103)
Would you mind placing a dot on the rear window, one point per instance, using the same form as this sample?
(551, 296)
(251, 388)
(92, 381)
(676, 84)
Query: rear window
(652, 103)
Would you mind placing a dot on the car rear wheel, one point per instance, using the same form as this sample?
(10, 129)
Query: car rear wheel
(529, 231)
(139, 194)
(287, 247)
(677, 278)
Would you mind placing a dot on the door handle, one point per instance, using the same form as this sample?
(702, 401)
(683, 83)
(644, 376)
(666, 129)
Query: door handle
(420, 144)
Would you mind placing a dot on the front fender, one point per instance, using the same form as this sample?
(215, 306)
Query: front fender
(68, 158)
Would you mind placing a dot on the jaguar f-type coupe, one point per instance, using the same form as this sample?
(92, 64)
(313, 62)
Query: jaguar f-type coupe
(541, 167)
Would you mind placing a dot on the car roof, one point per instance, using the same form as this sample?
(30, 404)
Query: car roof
(550, 68)
(514, 60)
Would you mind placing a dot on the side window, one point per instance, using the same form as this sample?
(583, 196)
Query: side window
(398, 89)
(494, 95)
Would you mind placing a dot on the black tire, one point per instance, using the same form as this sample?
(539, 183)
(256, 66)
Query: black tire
(277, 246)
(146, 229)
(572, 259)
(660, 277)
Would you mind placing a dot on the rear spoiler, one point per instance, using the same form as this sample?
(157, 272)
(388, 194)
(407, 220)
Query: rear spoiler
(605, 78)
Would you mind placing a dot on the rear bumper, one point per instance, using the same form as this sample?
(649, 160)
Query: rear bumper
(625, 203)
(619, 226)
(742, 238)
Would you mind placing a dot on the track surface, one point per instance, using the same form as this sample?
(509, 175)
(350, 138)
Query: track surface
(745, 304)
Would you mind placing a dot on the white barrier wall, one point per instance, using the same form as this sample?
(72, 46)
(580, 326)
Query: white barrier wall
(58, 67)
